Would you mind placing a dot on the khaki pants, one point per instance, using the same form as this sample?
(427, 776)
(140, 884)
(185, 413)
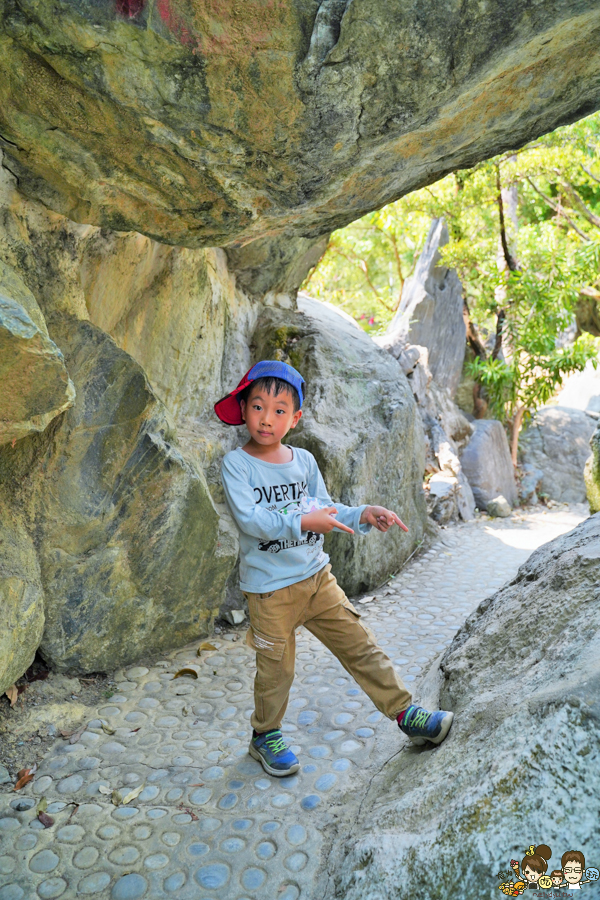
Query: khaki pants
(321, 606)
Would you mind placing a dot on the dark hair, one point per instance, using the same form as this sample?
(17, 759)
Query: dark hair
(273, 386)
(556, 874)
(539, 861)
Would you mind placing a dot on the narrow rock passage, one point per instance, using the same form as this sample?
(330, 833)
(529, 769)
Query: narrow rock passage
(208, 821)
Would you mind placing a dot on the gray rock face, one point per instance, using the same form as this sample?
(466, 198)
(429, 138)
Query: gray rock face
(233, 122)
(592, 473)
(21, 597)
(487, 465)
(521, 762)
(35, 383)
(130, 550)
(557, 441)
(362, 425)
(431, 313)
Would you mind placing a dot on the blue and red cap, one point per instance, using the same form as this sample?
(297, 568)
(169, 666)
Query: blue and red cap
(228, 408)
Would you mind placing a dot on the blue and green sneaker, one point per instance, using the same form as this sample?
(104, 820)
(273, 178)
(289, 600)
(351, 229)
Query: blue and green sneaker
(420, 725)
(273, 753)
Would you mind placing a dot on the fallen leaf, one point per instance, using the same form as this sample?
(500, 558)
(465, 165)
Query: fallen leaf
(23, 778)
(12, 693)
(73, 736)
(104, 790)
(187, 670)
(116, 798)
(133, 794)
(134, 730)
(73, 811)
(42, 806)
(200, 784)
(206, 646)
(185, 711)
(106, 728)
(45, 819)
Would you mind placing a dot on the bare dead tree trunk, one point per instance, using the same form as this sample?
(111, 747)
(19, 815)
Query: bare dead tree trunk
(516, 423)
(511, 262)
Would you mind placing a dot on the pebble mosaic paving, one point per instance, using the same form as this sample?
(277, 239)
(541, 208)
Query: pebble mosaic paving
(209, 822)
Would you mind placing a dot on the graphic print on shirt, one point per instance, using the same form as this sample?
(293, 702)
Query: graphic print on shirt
(297, 499)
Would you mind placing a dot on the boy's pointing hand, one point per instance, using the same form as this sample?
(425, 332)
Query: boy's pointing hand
(381, 518)
(322, 521)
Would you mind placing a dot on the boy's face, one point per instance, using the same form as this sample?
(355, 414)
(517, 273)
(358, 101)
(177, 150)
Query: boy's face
(269, 417)
(556, 880)
(573, 871)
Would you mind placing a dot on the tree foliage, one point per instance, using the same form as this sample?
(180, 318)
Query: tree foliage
(525, 239)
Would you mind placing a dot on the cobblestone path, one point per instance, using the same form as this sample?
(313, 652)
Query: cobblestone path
(208, 822)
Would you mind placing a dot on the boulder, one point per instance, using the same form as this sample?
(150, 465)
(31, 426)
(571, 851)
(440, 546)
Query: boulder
(431, 313)
(530, 483)
(591, 473)
(218, 123)
(442, 492)
(35, 383)
(441, 458)
(520, 765)
(499, 507)
(557, 441)
(132, 557)
(487, 464)
(21, 597)
(361, 423)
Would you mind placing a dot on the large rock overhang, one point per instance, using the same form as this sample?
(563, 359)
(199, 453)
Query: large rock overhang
(205, 123)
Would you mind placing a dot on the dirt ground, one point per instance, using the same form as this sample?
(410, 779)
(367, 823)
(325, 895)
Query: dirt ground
(48, 704)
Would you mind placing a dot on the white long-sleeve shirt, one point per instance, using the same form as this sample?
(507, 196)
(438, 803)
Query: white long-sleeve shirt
(267, 501)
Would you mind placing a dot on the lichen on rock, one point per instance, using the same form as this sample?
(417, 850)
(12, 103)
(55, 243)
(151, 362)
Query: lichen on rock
(21, 596)
(129, 539)
(35, 383)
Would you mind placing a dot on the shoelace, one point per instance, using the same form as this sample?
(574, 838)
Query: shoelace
(419, 718)
(276, 743)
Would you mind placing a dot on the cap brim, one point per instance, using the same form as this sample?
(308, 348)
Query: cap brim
(228, 408)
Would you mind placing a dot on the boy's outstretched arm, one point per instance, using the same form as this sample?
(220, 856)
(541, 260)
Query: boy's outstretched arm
(322, 521)
(381, 518)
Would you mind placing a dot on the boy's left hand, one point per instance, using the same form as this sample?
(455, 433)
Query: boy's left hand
(381, 518)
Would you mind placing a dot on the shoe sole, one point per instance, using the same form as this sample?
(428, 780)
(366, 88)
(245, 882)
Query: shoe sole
(276, 772)
(420, 741)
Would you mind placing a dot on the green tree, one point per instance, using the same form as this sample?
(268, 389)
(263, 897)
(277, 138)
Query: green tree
(525, 239)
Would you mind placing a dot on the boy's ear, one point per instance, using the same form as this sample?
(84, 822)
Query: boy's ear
(296, 419)
(243, 409)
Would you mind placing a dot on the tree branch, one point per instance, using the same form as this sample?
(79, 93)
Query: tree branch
(473, 339)
(557, 210)
(580, 204)
(590, 173)
(499, 333)
(365, 271)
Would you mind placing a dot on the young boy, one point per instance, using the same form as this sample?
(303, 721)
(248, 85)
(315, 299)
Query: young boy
(281, 506)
